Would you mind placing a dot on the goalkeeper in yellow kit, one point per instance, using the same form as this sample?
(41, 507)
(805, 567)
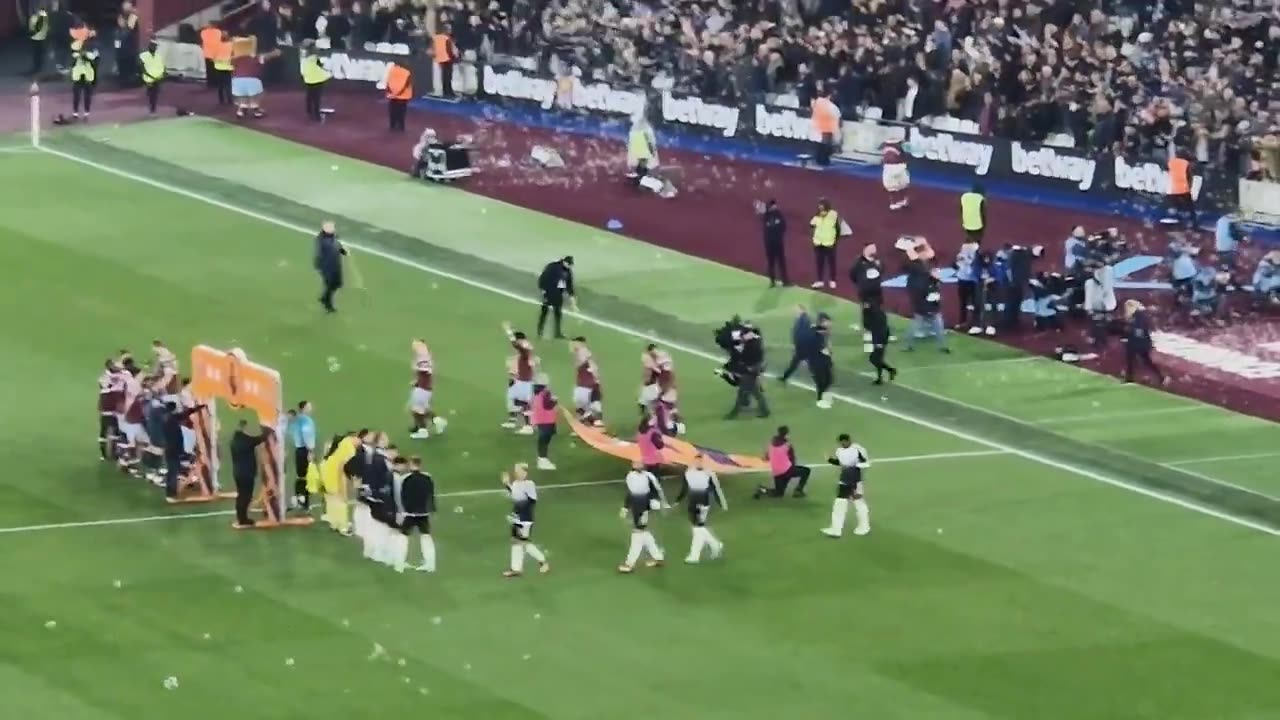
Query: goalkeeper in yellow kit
(332, 479)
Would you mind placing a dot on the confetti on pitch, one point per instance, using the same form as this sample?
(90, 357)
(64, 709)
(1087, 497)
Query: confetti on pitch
(466, 666)
(377, 652)
(346, 622)
(423, 691)
(207, 636)
(436, 620)
(526, 656)
(51, 624)
(537, 616)
(333, 167)
(406, 680)
(288, 662)
(171, 683)
(334, 365)
(457, 509)
(401, 662)
(117, 584)
(435, 286)
(239, 588)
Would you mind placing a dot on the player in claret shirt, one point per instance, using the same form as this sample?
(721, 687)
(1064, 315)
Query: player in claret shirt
(420, 395)
(587, 395)
(520, 369)
(110, 398)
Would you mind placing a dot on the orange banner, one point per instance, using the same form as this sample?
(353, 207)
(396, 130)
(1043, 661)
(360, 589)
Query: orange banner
(677, 452)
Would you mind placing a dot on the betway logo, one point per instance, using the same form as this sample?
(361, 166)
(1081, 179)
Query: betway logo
(600, 97)
(344, 67)
(784, 124)
(694, 111)
(1149, 177)
(945, 148)
(1217, 358)
(1049, 163)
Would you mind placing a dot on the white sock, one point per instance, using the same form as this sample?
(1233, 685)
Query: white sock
(384, 548)
(399, 543)
(651, 546)
(633, 551)
(517, 557)
(862, 513)
(839, 509)
(535, 553)
(428, 544)
(695, 547)
(711, 540)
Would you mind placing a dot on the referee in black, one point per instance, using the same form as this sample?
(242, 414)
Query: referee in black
(329, 252)
(556, 284)
(244, 468)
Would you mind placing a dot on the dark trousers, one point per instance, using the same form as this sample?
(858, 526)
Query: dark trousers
(824, 258)
(210, 75)
(545, 433)
(552, 304)
(749, 389)
(81, 96)
(39, 49)
(775, 258)
(127, 68)
(797, 356)
(823, 150)
(1012, 316)
(244, 496)
(108, 431)
(1184, 206)
(301, 462)
(396, 112)
(153, 96)
(332, 284)
(172, 471)
(780, 482)
(314, 93)
(823, 373)
(1134, 354)
(879, 362)
(974, 235)
(222, 81)
(970, 305)
(446, 79)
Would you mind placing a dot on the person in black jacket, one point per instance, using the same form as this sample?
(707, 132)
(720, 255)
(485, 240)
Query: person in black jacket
(415, 501)
(328, 262)
(173, 446)
(377, 490)
(801, 340)
(878, 328)
(820, 363)
(925, 290)
(555, 283)
(1137, 347)
(1019, 265)
(775, 253)
(867, 275)
(244, 468)
(747, 363)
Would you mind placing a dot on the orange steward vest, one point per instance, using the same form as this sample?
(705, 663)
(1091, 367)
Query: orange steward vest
(825, 121)
(440, 48)
(399, 83)
(1178, 170)
(210, 40)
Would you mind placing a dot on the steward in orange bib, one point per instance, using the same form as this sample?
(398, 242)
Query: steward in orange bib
(210, 43)
(826, 124)
(1180, 183)
(444, 53)
(399, 92)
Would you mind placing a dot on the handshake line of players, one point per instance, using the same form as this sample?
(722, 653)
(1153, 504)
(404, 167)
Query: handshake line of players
(397, 498)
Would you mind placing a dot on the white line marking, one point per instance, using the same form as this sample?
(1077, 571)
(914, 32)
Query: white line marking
(458, 494)
(1029, 455)
(973, 363)
(1122, 414)
(1218, 481)
(1224, 458)
(18, 149)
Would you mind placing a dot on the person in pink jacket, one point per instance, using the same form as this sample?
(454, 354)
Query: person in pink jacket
(782, 463)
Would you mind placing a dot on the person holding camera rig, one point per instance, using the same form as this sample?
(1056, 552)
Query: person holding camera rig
(555, 283)
(743, 370)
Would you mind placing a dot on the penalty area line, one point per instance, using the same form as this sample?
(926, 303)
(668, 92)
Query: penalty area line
(110, 522)
(1106, 479)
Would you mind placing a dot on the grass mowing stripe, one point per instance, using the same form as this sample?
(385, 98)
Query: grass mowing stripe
(1223, 458)
(1122, 414)
(1027, 454)
(461, 493)
(1210, 478)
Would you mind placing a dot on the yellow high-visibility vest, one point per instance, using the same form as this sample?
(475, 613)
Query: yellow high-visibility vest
(313, 73)
(38, 26)
(152, 67)
(826, 226)
(82, 69)
(971, 211)
(639, 147)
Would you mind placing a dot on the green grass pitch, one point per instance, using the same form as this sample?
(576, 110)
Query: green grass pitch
(1047, 544)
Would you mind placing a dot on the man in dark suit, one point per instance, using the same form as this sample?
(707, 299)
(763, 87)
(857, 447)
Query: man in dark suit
(555, 283)
(244, 468)
(173, 446)
(775, 231)
(328, 261)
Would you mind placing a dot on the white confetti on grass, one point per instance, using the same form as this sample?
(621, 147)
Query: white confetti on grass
(239, 588)
(401, 662)
(117, 584)
(51, 624)
(171, 683)
(288, 662)
(436, 620)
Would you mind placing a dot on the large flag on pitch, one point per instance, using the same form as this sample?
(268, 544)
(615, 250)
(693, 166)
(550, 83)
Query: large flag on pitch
(677, 452)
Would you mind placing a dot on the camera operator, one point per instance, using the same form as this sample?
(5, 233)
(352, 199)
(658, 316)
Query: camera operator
(746, 364)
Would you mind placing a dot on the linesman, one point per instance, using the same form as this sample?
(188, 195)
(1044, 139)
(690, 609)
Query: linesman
(415, 501)
(302, 435)
(556, 284)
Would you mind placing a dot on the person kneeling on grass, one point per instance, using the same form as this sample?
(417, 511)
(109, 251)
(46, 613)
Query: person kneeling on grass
(783, 465)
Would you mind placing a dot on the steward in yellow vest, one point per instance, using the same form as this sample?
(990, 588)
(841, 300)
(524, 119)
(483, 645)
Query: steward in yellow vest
(314, 77)
(826, 231)
(222, 68)
(38, 31)
(973, 213)
(152, 74)
(84, 75)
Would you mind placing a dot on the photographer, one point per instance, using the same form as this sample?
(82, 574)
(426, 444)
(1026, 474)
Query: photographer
(745, 365)
(925, 289)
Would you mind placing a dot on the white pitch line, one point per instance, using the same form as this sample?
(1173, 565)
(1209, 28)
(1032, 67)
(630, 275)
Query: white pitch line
(922, 422)
(458, 494)
(1122, 414)
(1224, 458)
(1219, 481)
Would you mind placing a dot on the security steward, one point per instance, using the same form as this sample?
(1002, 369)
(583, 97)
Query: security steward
(973, 213)
(38, 31)
(84, 75)
(244, 468)
(1181, 182)
(775, 252)
(746, 363)
(399, 93)
(314, 77)
(1137, 346)
(329, 252)
(555, 283)
(222, 69)
(152, 74)
(210, 39)
(444, 53)
(867, 275)
(173, 454)
(826, 230)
